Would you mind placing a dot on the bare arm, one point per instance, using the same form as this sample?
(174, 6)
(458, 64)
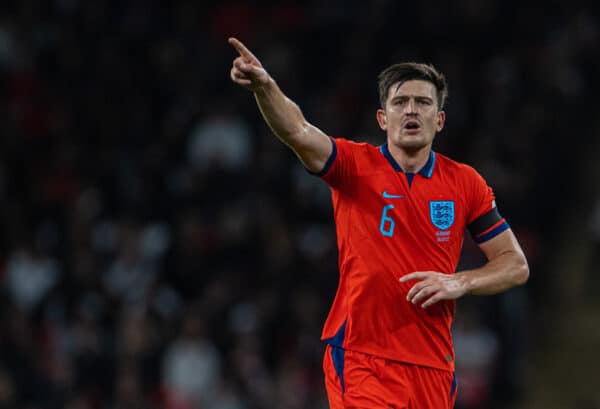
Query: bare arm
(506, 267)
(282, 115)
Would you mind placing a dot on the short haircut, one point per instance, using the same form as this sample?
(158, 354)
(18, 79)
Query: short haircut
(408, 71)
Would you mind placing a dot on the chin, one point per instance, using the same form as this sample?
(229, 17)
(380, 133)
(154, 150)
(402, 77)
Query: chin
(411, 142)
(411, 145)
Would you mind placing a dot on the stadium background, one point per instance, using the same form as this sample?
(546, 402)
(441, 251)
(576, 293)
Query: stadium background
(160, 249)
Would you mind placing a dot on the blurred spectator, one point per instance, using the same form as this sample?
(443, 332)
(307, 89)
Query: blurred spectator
(30, 276)
(220, 141)
(191, 367)
(477, 346)
(135, 267)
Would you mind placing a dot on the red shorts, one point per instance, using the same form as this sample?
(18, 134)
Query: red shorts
(357, 380)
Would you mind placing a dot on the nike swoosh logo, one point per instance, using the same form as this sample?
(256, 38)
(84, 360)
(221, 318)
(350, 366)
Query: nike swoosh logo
(389, 196)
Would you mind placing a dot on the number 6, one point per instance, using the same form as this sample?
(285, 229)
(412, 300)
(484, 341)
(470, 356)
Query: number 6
(385, 218)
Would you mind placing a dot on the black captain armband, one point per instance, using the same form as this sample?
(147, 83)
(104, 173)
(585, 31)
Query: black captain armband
(487, 226)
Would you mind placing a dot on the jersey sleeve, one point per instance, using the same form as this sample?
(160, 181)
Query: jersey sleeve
(340, 164)
(484, 221)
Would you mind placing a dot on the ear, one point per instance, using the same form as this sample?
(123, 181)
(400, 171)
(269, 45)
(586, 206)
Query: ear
(441, 120)
(382, 119)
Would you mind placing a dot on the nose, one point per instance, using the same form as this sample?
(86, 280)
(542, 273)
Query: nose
(410, 107)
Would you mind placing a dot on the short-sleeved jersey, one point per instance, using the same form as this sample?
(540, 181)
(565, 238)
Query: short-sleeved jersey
(388, 224)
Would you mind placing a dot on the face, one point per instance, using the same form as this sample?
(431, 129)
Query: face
(411, 117)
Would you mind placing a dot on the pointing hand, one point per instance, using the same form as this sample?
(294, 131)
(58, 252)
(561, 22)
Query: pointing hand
(247, 70)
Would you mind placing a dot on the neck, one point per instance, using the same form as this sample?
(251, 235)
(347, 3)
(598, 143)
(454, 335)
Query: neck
(410, 160)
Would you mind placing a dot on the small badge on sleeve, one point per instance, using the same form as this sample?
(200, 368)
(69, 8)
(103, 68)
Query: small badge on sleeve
(441, 214)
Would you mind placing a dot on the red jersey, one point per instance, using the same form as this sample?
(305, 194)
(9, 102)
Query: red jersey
(390, 223)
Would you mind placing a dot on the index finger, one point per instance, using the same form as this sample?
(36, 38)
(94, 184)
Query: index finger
(417, 275)
(241, 49)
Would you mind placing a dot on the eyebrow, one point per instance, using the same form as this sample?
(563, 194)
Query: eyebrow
(417, 97)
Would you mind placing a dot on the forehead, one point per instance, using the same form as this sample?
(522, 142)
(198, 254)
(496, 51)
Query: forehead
(413, 88)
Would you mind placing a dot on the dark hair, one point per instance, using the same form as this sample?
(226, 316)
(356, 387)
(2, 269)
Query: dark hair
(408, 71)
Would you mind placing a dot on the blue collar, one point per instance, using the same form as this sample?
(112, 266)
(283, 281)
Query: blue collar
(426, 170)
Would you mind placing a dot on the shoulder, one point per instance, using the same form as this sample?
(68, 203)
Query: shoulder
(353, 144)
(357, 149)
(348, 159)
(456, 168)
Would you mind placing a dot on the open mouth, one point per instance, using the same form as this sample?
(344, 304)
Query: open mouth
(412, 126)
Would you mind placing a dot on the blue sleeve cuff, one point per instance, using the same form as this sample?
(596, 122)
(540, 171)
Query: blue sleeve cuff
(492, 233)
(329, 162)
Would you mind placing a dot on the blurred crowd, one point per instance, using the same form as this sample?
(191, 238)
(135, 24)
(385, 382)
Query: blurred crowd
(159, 248)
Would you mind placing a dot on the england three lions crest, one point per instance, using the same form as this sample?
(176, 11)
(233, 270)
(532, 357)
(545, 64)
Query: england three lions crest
(441, 214)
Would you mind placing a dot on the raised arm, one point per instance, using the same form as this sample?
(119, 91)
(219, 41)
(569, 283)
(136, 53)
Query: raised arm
(282, 115)
(506, 267)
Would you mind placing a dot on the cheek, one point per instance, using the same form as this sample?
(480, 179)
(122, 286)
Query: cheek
(434, 121)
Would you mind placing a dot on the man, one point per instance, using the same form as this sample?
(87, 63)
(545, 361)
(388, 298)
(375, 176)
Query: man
(400, 211)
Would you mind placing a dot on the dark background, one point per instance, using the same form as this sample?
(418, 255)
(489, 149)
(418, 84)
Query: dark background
(159, 248)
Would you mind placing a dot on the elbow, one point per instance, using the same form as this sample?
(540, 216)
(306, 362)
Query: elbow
(521, 271)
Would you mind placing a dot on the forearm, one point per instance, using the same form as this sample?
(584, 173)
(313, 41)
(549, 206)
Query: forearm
(282, 115)
(504, 271)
